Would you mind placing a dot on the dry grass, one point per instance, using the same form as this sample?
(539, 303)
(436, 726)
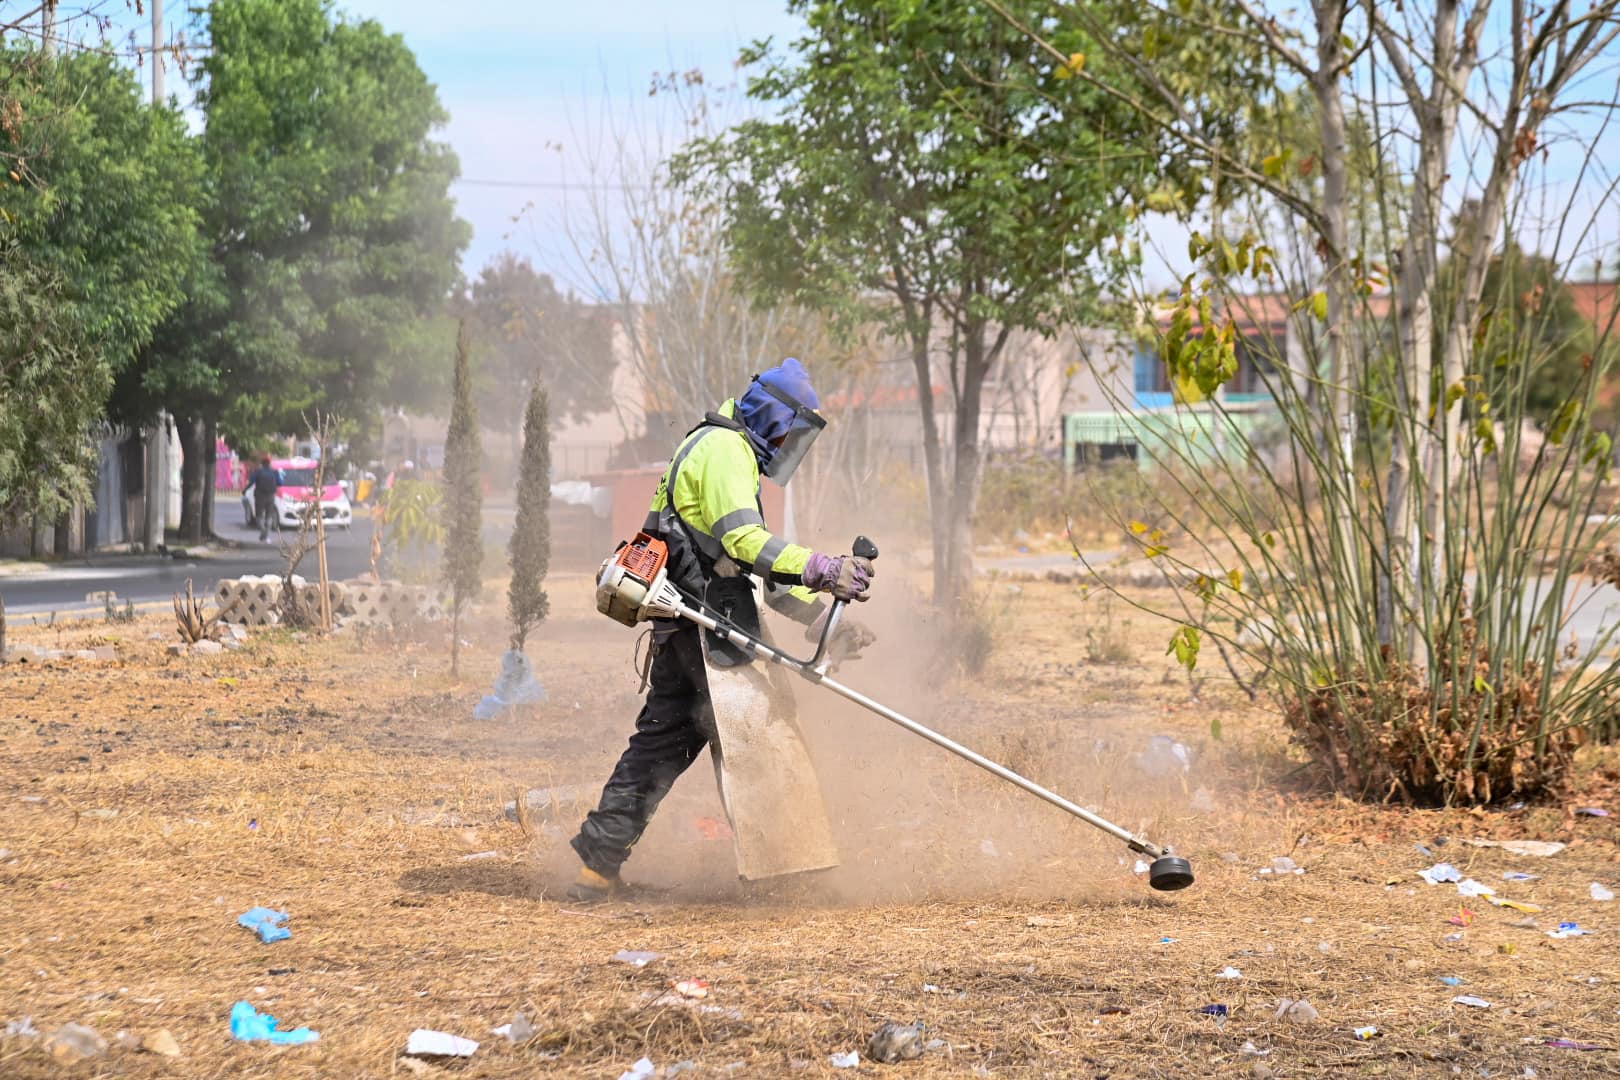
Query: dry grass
(368, 784)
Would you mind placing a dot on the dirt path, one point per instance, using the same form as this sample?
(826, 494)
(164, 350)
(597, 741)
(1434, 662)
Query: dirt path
(144, 804)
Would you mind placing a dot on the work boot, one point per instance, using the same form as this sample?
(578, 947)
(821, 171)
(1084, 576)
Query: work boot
(590, 887)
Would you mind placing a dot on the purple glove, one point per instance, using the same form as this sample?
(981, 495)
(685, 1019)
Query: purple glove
(847, 577)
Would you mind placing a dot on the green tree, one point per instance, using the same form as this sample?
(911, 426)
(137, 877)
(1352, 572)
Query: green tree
(98, 219)
(530, 548)
(898, 174)
(463, 498)
(53, 386)
(526, 330)
(331, 220)
(1529, 320)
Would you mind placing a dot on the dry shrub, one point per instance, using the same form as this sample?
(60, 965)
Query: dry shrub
(1396, 738)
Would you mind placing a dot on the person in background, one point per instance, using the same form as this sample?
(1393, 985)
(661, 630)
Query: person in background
(266, 478)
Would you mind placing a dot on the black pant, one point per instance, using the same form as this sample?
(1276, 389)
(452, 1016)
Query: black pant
(266, 514)
(674, 725)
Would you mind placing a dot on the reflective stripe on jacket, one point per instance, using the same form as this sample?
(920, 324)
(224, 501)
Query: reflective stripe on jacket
(717, 497)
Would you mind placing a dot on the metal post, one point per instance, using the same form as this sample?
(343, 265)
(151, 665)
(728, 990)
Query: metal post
(47, 27)
(157, 51)
(157, 436)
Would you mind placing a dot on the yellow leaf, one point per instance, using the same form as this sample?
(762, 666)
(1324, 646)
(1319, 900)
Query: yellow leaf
(1139, 527)
(1235, 579)
(1273, 165)
(1319, 305)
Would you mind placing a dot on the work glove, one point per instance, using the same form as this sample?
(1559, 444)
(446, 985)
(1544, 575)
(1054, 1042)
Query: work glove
(847, 577)
(847, 641)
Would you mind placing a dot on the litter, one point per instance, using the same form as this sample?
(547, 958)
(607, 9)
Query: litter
(1113, 1010)
(1168, 940)
(1526, 923)
(1298, 1012)
(425, 1043)
(1248, 1049)
(1044, 920)
(1464, 917)
(75, 1042)
(1368, 1032)
(1568, 930)
(1470, 887)
(895, 1042)
(1439, 872)
(1164, 756)
(248, 1025)
(847, 1060)
(930, 988)
(1282, 864)
(987, 846)
(266, 922)
(1516, 905)
(1600, 893)
(1216, 1010)
(636, 957)
(515, 685)
(1571, 1044)
(519, 1030)
(1592, 811)
(692, 988)
(1451, 980)
(161, 1042)
(1471, 1001)
(1519, 875)
(1141, 867)
(641, 1070)
(23, 1028)
(1229, 973)
(1540, 849)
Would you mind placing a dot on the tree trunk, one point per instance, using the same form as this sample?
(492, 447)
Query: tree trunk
(1344, 383)
(455, 640)
(939, 497)
(1414, 382)
(190, 430)
(210, 476)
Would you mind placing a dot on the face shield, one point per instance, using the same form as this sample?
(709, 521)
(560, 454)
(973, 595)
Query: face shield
(789, 449)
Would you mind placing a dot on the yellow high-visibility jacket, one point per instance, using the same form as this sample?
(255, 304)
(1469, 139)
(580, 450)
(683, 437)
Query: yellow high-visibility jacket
(716, 496)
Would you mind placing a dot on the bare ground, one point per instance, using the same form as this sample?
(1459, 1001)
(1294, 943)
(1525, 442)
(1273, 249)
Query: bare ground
(144, 804)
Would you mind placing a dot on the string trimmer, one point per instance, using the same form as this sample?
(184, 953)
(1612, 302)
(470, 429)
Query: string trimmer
(634, 586)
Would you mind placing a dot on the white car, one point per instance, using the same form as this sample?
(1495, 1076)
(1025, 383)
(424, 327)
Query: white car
(296, 492)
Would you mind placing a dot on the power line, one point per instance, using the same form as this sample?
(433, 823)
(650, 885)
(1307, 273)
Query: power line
(548, 185)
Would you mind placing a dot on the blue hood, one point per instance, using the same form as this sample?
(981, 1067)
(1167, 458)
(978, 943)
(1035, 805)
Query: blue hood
(767, 419)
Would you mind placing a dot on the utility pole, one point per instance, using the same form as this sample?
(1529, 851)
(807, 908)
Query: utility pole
(47, 27)
(157, 436)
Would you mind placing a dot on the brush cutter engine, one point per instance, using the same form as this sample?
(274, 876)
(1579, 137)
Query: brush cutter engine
(633, 584)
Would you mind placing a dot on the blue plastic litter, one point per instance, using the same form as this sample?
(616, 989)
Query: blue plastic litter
(1451, 980)
(248, 1024)
(515, 685)
(267, 923)
(1215, 1010)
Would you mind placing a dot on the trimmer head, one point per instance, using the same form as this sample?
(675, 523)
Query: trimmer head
(1170, 873)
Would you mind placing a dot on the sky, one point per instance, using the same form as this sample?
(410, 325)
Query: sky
(521, 78)
(527, 83)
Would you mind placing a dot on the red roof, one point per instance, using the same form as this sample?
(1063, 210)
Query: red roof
(1598, 302)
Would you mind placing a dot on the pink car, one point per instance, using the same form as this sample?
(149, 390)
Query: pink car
(297, 490)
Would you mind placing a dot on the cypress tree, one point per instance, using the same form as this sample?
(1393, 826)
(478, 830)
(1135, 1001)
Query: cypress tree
(530, 548)
(463, 498)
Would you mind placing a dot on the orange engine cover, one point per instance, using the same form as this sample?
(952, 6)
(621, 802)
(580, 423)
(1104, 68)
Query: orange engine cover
(643, 557)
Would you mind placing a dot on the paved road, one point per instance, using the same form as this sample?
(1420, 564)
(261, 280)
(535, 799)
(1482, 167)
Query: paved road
(144, 579)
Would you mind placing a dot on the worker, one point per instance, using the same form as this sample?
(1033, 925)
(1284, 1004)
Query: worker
(707, 509)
